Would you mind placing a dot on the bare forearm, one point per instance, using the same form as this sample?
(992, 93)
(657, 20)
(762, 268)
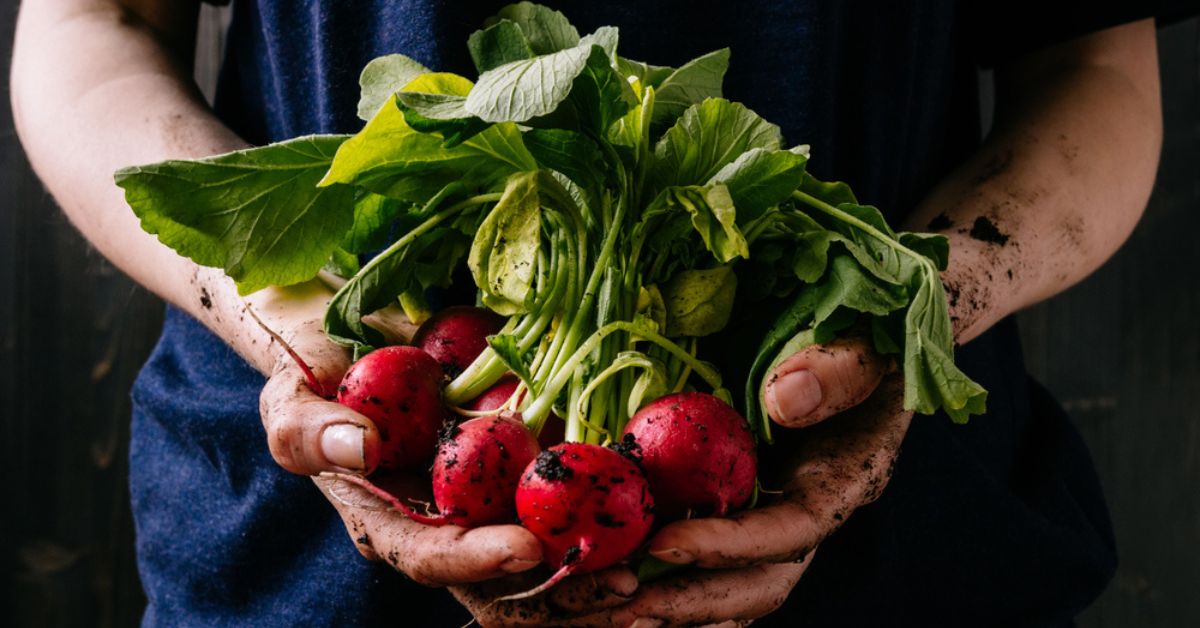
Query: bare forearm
(97, 86)
(1061, 182)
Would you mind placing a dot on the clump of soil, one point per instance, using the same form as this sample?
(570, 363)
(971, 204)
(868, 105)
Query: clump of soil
(985, 230)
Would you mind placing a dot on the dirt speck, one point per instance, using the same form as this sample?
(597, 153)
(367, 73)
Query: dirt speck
(549, 466)
(940, 222)
(985, 230)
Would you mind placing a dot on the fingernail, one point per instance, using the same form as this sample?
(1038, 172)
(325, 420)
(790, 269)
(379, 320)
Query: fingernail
(674, 556)
(342, 445)
(646, 622)
(623, 584)
(797, 394)
(517, 565)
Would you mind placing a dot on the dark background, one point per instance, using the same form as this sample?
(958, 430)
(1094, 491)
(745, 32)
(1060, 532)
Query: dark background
(1121, 351)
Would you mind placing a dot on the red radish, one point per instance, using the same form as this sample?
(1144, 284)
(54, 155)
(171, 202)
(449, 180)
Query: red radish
(477, 467)
(475, 473)
(553, 430)
(589, 506)
(494, 397)
(698, 454)
(457, 335)
(399, 388)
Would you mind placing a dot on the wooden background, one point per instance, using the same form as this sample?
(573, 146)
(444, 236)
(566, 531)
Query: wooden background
(1121, 350)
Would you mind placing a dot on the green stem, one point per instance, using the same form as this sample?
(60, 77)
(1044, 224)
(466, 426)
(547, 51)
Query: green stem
(423, 228)
(541, 406)
(848, 218)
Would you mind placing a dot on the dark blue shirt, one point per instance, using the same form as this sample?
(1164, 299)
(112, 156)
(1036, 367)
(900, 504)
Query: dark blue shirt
(1000, 522)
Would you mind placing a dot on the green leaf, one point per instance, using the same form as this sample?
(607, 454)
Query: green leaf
(381, 78)
(256, 213)
(571, 153)
(810, 256)
(712, 215)
(391, 158)
(650, 306)
(760, 179)
(435, 103)
(391, 273)
(934, 246)
(342, 263)
(931, 379)
(508, 349)
(647, 75)
(374, 216)
(599, 97)
(527, 89)
(387, 151)
(498, 44)
(835, 193)
(706, 138)
(794, 319)
(503, 258)
(699, 302)
(693, 82)
(545, 29)
(606, 37)
(847, 285)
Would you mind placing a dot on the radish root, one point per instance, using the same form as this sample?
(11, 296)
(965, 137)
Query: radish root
(309, 376)
(392, 500)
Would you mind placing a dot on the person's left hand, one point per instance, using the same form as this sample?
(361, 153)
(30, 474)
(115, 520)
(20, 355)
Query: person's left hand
(749, 562)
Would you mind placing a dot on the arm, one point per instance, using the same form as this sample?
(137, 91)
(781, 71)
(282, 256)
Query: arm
(1057, 188)
(97, 85)
(1065, 176)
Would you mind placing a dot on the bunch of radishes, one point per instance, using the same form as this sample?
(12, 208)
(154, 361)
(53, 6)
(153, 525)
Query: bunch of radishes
(590, 505)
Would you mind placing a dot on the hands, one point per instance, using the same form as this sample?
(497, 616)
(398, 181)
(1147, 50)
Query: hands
(308, 434)
(748, 563)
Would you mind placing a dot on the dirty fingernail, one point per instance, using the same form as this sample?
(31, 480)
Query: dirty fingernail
(517, 565)
(342, 445)
(646, 622)
(674, 556)
(797, 394)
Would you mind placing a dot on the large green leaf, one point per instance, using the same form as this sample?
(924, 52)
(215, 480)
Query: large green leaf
(693, 82)
(256, 213)
(498, 44)
(706, 138)
(527, 89)
(391, 158)
(545, 29)
(760, 179)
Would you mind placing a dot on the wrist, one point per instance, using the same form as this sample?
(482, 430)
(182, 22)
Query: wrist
(295, 313)
(983, 284)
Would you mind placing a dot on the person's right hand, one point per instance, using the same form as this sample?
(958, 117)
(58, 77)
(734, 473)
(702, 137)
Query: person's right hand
(309, 434)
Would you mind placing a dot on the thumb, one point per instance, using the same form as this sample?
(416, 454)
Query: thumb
(822, 380)
(308, 434)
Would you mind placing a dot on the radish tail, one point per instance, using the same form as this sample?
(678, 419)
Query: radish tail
(392, 500)
(309, 376)
(564, 571)
(558, 576)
